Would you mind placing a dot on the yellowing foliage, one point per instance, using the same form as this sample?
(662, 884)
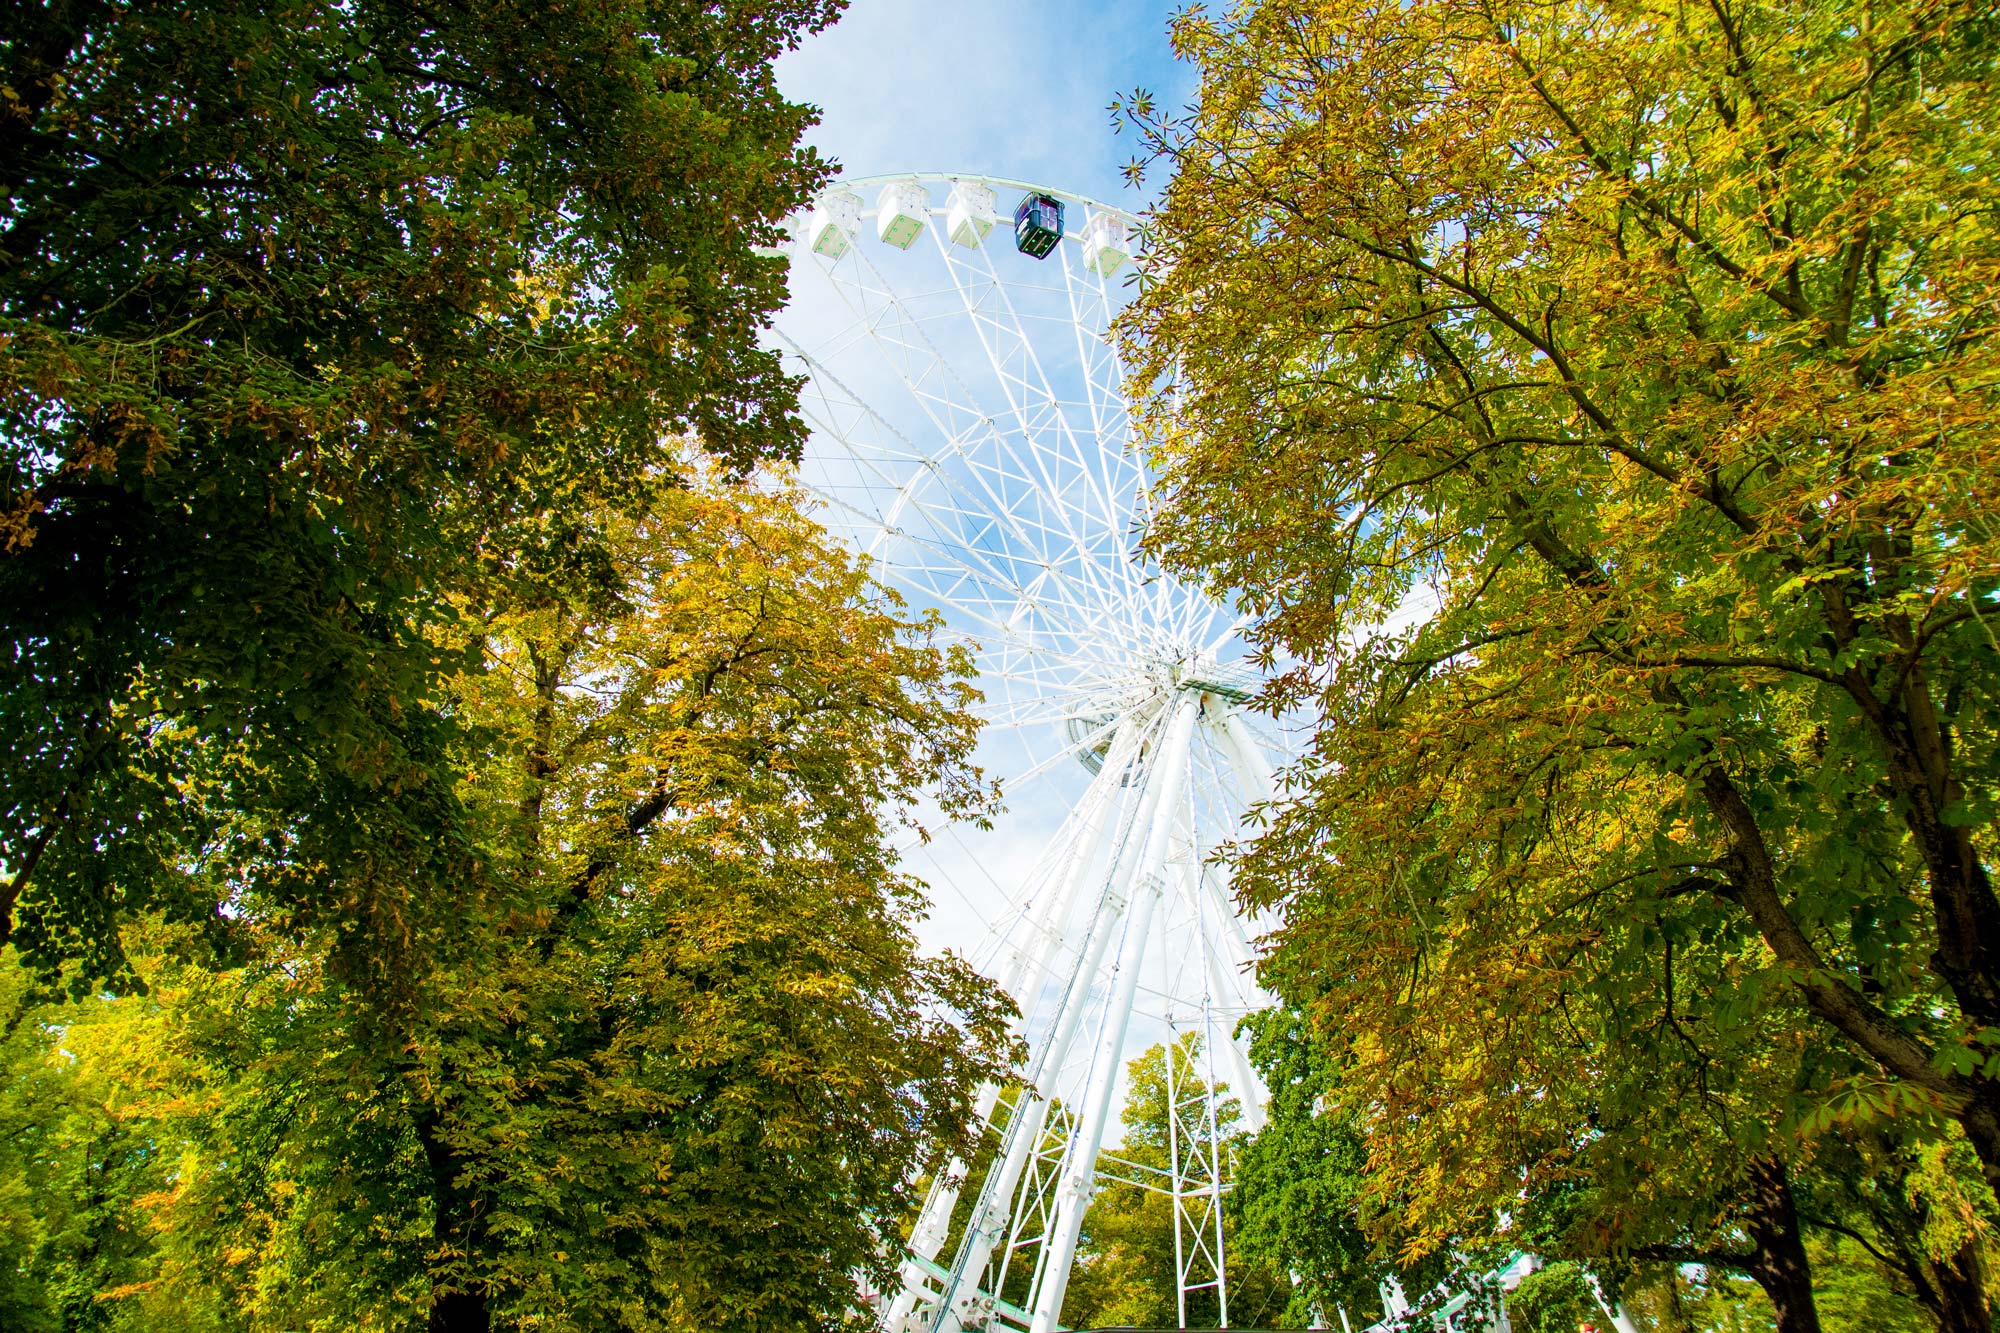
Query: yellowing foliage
(679, 1066)
(1644, 357)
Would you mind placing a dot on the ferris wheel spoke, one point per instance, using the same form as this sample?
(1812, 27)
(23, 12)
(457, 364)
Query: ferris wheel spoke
(1026, 487)
(1051, 442)
(1029, 653)
(938, 548)
(1031, 676)
(968, 431)
(959, 565)
(1041, 711)
(1103, 376)
(1103, 368)
(1089, 739)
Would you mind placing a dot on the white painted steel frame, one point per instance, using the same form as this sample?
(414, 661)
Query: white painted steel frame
(970, 433)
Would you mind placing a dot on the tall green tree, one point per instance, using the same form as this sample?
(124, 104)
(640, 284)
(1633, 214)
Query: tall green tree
(689, 1067)
(1599, 1195)
(1555, 1299)
(1899, 1230)
(1598, 404)
(312, 316)
(1303, 1204)
(73, 1172)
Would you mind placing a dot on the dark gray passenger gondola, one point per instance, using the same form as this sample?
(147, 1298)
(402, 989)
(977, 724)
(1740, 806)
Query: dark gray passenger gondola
(1038, 225)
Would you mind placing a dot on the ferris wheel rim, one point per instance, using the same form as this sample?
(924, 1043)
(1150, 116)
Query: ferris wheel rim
(1101, 599)
(1136, 220)
(909, 494)
(1059, 611)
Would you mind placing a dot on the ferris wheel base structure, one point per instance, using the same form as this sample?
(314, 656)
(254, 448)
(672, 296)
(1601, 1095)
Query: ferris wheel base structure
(970, 435)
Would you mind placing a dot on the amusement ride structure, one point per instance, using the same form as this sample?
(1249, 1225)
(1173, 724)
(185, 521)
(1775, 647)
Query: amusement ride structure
(971, 435)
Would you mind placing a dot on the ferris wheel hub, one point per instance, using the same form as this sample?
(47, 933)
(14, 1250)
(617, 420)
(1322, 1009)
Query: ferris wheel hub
(1154, 683)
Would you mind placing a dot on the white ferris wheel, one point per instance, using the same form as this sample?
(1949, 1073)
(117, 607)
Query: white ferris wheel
(970, 433)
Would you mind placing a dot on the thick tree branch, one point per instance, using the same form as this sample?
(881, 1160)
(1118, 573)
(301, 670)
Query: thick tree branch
(1754, 887)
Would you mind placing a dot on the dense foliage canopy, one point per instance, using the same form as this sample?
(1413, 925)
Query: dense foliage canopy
(313, 315)
(1598, 403)
(681, 1078)
(455, 787)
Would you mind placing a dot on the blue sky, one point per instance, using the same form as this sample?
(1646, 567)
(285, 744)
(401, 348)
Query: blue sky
(998, 89)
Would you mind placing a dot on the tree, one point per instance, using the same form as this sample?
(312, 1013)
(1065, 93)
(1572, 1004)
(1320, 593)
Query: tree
(71, 1175)
(691, 1060)
(1554, 1299)
(1642, 358)
(1604, 1209)
(1528, 1080)
(1301, 1205)
(1412, 1159)
(1902, 1229)
(311, 319)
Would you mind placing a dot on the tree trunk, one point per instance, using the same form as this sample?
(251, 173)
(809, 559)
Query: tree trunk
(1780, 1265)
(1960, 1289)
(1675, 1317)
(457, 1305)
(1981, 1121)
